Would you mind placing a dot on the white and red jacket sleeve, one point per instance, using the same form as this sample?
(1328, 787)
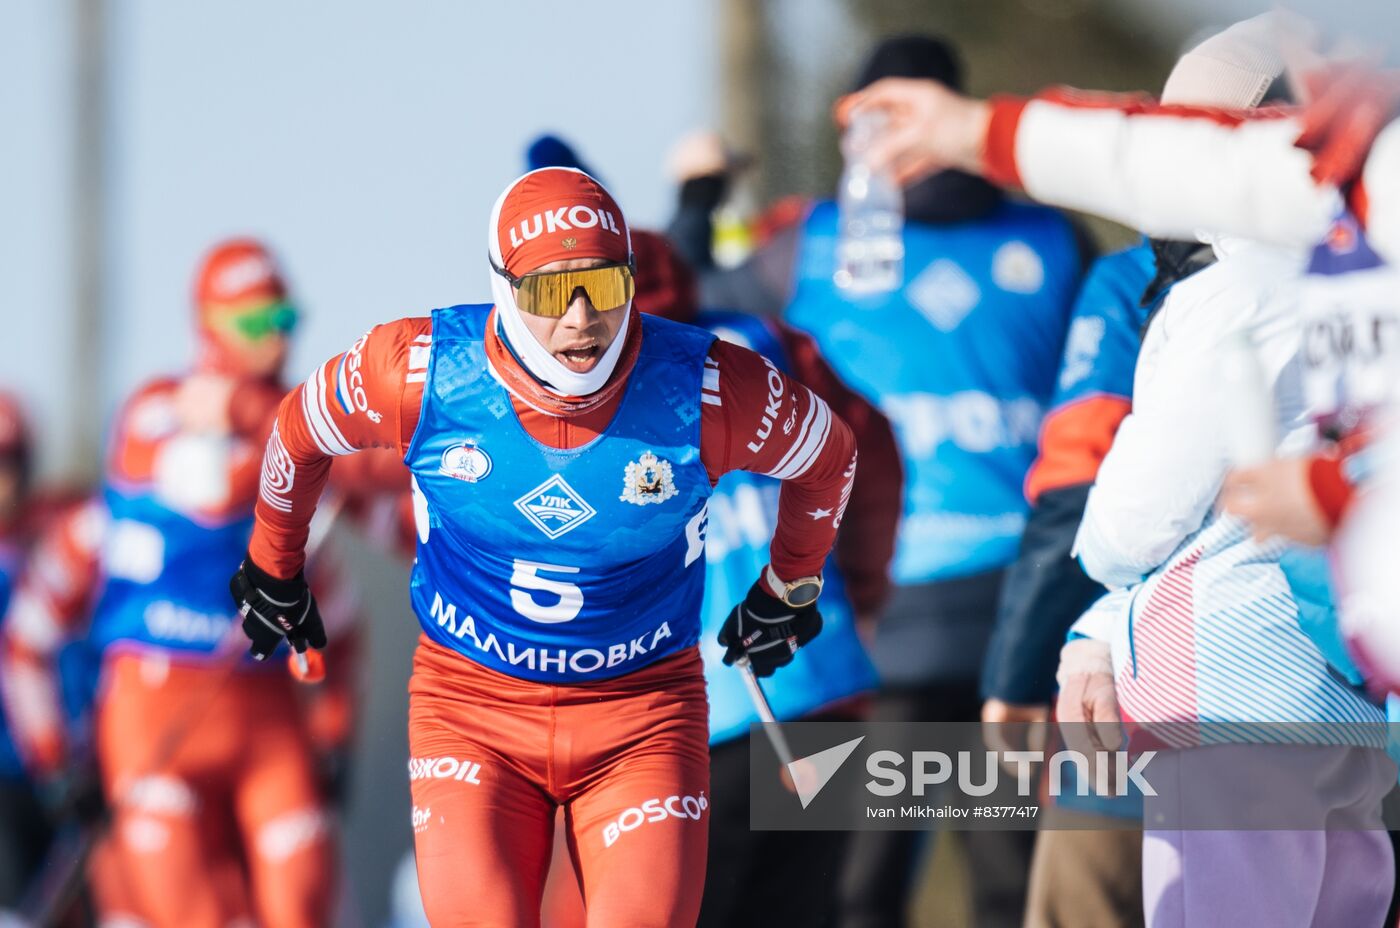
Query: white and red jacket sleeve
(1173, 171)
(753, 418)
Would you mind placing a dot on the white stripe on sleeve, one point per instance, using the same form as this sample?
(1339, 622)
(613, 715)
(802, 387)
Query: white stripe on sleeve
(327, 436)
(310, 420)
(797, 463)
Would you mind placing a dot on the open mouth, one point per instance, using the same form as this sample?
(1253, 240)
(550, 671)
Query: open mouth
(579, 360)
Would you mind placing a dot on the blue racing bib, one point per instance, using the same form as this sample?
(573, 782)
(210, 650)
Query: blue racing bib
(559, 565)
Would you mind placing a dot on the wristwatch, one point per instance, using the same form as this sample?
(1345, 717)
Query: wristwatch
(800, 593)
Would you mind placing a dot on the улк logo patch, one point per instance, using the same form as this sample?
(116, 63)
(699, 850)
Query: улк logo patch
(555, 508)
(466, 462)
(647, 480)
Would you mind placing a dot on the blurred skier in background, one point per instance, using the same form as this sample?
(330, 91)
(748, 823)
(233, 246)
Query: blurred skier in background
(25, 829)
(218, 782)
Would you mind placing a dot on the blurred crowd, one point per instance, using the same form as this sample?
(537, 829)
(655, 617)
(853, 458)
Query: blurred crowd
(1150, 486)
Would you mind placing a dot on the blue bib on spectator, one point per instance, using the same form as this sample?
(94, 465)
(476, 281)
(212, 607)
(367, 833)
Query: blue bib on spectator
(559, 565)
(962, 360)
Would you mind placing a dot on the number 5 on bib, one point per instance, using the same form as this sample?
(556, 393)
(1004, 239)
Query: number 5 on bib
(526, 577)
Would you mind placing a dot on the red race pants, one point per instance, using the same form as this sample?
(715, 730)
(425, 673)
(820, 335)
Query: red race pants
(494, 756)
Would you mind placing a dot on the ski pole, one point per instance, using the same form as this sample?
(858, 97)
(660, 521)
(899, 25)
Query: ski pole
(307, 666)
(765, 712)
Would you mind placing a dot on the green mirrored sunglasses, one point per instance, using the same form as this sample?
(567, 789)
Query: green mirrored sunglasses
(276, 319)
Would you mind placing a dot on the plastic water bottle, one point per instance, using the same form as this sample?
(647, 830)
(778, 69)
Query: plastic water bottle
(870, 244)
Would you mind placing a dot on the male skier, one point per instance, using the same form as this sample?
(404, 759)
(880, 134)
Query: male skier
(562, 448)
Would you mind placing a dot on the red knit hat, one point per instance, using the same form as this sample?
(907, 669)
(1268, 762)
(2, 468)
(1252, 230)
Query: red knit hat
(238, 272)
(552, 214)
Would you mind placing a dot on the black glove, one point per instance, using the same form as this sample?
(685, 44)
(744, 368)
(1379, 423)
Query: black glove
(274, 609)
(767, 630)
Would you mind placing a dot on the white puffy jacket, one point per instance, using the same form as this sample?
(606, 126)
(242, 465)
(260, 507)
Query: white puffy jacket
(1205, 627)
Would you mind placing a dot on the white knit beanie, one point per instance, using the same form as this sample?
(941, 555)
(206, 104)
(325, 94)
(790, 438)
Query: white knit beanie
(1231, 69)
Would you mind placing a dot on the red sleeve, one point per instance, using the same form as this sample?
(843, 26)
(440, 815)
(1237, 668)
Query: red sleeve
(999, 150)
(865, 544)
(368, 397)
(756, 419)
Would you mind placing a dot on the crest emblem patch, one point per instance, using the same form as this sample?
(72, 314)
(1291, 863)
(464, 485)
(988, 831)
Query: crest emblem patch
(465, 461)
(647, 480)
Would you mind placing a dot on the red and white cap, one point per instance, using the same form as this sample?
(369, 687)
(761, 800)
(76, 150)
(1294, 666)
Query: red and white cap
(235, 274)
(548, 215)
(239, 271)
(552, 214)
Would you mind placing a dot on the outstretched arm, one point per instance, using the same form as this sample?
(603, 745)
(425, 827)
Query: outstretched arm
(1168, 171)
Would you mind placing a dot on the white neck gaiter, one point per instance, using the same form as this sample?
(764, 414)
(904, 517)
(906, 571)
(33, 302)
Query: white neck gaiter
(542, 365)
